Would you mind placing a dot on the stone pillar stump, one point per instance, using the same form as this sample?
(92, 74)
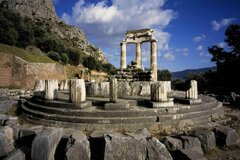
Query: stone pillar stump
(51, 89)
(39, 88)
(77, 91)
(159, 95)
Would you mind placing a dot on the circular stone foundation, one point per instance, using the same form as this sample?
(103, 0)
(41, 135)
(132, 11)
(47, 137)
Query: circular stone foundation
(176, 118)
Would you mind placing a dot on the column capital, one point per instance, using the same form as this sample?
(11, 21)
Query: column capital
(123, 43)
(153, 40)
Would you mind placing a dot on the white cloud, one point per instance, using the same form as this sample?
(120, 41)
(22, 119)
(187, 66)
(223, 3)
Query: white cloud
(199, 38)
(183, 51)
(199, 48)
(169, 56)
(106, 25)
(216, 25)
(201, 53)
(222, 44)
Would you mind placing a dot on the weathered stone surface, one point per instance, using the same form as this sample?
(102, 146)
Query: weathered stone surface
(98, 89)
(157, 150)
(172, 144)
(226, 136)
(145, 89)
(124, 89)
(192, 92)
(6, 141)
(160, 90)
(63, 85)
(119, 147)
(80, 150)
(206, 137)
(134, 146)
(3, 119)
(77, 91)
(191, 143)
(121, 105)
(144, 132)
(45, 143)
(6, 105)
(16, 129)
(113, 90)
(186, 154)
(51, 89)
(32, 9)
(16, 155)
(39, 88)
(22, 73)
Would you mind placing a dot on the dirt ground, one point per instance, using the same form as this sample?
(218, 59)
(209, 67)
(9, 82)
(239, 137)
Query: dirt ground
(232, 119)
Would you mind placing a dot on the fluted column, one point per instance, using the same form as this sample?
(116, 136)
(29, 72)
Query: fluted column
(123, 64)
(138, 55)
(154, 60)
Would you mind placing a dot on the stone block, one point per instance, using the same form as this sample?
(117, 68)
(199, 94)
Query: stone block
(51, 89)
(119, 147)
(161, 104)
(226, 136)
(80, 149)
(16, 155)
(206, 137)
(157, 150)
(172, 144)
(39, 88)
(6, 141)
(121, 105)
(45, 143)
(185, 154)
(77, 91)
(191, 143)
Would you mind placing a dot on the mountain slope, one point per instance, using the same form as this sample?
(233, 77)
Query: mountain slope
(184, 73)
(43, 13)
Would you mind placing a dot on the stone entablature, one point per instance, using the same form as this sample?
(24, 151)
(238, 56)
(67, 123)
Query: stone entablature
(138, 37)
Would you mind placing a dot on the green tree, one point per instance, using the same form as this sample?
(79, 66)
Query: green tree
(228, 60)
(164, 75)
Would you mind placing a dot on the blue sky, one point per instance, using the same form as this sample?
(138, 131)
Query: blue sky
(184, 28)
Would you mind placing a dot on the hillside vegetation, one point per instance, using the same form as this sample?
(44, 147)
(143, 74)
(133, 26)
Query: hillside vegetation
(49, 37)
(29, 56)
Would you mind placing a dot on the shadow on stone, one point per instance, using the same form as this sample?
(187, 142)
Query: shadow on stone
(97, 147)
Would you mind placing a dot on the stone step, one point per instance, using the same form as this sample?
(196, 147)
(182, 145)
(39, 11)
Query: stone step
(89, 127)
(78, 119)
(92, 112)
(64, 109)
(177, 108)
(189, 115)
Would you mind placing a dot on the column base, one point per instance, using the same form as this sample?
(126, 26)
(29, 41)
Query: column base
(187, 101)
(120, 105)
(161, 104)
(84, 104)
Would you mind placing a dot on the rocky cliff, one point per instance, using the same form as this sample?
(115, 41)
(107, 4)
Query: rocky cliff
(43, 10)
(32, 8)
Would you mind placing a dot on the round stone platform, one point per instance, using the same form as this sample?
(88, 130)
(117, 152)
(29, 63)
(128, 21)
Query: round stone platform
(164, 119)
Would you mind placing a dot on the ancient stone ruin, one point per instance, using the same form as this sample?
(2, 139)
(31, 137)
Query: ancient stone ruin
(135, 71)
(134, 108)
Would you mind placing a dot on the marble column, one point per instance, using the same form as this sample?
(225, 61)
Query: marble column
(77, 91)
(113, 90)
(39, 88)
(192, 92)
(123, 64)
(138, 55)
(51, 89)
(153, 58)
